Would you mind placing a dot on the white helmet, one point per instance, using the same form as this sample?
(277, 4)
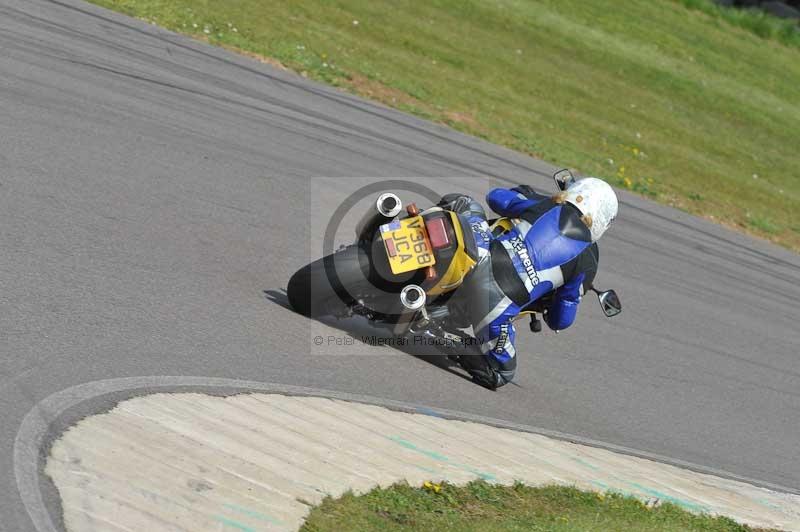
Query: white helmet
(597, 201)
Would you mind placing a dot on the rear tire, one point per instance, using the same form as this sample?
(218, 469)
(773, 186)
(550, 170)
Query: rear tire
(330, 283)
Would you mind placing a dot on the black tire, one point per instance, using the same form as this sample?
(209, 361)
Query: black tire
(330, 283)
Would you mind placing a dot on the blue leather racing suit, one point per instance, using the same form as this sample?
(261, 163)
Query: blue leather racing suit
(548, 251)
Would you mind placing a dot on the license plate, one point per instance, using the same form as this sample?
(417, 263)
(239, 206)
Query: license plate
(407, 245)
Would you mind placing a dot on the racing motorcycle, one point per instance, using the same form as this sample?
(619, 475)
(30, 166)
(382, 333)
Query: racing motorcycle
(404, 269)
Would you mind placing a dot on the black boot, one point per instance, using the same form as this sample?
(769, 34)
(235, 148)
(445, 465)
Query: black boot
(482, 373)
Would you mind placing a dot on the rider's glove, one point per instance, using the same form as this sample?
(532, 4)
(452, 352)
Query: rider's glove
(455, 202)
(526, 191)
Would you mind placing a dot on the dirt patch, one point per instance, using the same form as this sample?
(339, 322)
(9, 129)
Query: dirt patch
(462, 118)
(260, 58)
(376, 90)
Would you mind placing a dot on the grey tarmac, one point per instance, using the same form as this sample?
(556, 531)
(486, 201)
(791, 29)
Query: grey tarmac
(156, 194)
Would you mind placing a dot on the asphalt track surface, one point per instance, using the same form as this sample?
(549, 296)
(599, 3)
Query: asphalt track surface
(153, 188)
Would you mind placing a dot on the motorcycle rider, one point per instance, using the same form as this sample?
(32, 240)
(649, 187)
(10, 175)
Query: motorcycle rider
(552, 247)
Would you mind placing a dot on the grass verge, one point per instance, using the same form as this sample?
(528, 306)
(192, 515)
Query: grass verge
(754, 20)
(483, 507)
(673, 102)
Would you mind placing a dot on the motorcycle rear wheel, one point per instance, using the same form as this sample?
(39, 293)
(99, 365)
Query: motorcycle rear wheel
(329, 284)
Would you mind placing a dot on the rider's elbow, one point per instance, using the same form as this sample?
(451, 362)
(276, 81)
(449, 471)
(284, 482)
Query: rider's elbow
(499, 199)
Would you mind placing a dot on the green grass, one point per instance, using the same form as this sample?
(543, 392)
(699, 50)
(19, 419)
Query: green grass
(482, 507)
(763, 224)
(753, 20)
(684, 105)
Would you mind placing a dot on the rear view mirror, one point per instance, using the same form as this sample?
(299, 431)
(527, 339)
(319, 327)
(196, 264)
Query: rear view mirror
(564, 179)
(609, 301)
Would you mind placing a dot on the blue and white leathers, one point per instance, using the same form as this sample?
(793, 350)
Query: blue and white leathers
(549, 249)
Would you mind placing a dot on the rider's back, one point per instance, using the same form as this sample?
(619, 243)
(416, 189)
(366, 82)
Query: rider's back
(547, 247)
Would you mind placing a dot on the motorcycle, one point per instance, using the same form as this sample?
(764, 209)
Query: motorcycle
(404, 269)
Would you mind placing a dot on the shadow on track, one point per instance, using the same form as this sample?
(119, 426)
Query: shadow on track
(359, 328)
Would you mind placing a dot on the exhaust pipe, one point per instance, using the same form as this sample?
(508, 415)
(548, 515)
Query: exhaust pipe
(387, 206)
(413, 297)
